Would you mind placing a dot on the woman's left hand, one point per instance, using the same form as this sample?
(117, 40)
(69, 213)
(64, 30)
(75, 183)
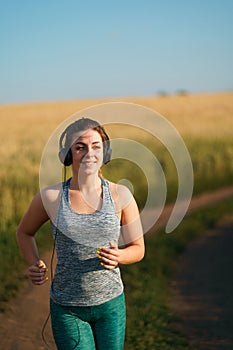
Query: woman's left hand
(110, 257)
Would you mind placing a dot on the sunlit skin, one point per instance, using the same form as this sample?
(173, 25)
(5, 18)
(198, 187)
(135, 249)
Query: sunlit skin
(85, 197)
(87, 155)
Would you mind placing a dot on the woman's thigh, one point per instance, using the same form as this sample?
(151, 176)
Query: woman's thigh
(109, 329)
(69, 331)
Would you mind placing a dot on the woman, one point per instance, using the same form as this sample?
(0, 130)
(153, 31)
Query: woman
(88, 216)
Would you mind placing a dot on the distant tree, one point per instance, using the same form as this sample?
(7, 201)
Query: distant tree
(162, 93)
(182, 92)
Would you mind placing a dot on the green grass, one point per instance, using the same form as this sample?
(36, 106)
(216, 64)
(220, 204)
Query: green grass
(16, 193)
(150, 321)
(208, 156)
(13, 272)
(212, 162)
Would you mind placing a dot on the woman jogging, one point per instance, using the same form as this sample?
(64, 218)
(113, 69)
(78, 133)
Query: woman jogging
(88, 215)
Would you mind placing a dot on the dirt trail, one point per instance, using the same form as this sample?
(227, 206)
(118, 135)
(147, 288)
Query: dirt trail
(202, 290)
(21, 325)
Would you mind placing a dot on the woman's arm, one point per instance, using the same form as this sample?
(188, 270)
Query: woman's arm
(132, 233)
(33, 219)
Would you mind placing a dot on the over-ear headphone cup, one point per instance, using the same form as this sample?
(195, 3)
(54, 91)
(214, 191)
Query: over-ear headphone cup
(65, 156)
(107, 155)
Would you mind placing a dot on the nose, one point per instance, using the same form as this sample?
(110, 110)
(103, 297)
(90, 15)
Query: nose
(90, 152)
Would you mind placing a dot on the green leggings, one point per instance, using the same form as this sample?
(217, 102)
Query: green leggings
(100, 327)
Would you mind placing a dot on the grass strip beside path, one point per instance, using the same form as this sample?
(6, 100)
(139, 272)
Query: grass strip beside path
(150, 321)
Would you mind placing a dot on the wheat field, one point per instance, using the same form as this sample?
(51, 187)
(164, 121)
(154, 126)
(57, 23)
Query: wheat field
(208, 115)
(205, 121)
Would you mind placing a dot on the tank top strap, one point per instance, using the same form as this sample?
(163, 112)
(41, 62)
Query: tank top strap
(65, 189)
(107, 196)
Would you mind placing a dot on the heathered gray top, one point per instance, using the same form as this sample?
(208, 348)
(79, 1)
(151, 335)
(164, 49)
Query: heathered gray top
(79, 278)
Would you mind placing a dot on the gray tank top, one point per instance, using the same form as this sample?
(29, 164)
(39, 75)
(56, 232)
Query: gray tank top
(79, 278)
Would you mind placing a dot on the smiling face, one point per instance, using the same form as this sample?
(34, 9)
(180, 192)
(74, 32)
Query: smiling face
(87, 151)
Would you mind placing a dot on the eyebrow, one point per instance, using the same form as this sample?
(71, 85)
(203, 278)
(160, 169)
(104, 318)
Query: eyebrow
(84, 144)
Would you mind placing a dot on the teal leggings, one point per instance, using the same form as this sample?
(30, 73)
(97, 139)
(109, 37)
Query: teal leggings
(100, 327)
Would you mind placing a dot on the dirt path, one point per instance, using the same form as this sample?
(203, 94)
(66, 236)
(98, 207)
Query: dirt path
(202, 290)
(21, 325)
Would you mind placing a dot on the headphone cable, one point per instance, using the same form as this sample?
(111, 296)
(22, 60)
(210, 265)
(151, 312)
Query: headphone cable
(51, 275)
(51, 271)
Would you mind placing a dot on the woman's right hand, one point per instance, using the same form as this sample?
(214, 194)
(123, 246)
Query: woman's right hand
(37, 273)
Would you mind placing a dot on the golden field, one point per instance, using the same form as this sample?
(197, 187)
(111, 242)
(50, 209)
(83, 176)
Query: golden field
(204, 120)
(206, 115)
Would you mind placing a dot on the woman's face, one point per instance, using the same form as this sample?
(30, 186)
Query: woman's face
(87, 151)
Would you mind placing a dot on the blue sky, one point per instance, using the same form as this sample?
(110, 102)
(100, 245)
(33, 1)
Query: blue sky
(62, 50)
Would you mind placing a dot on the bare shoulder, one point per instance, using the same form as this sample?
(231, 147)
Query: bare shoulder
(50, 197)
(121, 195)
(51, 193)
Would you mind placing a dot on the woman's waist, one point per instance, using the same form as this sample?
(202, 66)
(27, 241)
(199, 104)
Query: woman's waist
(82, 287)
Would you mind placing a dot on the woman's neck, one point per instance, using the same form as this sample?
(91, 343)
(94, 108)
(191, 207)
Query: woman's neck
(86, 184)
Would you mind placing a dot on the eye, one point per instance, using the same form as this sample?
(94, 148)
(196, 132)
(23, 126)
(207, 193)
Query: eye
(97, 147)
(79, 148)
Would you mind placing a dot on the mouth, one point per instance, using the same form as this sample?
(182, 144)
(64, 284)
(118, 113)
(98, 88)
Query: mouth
(88, 163)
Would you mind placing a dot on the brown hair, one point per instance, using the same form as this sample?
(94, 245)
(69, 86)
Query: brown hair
(82, 125)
